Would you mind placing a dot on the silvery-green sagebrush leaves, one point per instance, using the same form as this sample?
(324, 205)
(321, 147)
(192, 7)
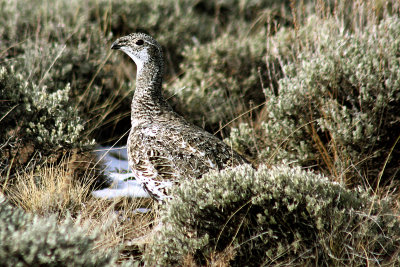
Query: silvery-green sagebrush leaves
(275, 216)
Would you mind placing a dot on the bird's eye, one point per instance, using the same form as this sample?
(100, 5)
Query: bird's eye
(139, 42)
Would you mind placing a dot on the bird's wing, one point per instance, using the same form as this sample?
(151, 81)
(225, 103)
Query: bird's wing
(173, 153)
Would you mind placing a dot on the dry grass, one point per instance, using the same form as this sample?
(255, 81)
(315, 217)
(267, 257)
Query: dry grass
(122, 227)
(52, 189)
(218, 259)
(222, 259)
(48, 189)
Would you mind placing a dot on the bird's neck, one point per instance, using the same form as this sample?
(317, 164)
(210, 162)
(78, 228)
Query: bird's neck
(148, 99)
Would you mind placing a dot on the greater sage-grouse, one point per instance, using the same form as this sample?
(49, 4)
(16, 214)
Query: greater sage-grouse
(163, 148)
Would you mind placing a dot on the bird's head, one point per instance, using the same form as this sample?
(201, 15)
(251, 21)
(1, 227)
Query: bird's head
(141, 47)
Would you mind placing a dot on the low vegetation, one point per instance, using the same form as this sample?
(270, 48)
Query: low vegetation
(28, 240)
(274, 216)
(336, 108)
(308, 91)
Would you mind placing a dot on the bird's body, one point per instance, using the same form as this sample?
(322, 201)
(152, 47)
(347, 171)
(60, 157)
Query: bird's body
(163, 148)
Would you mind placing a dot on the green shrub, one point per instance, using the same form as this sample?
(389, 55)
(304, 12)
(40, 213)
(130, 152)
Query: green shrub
(27, 240)
(56, 63)
(82, 63)
(44, 117)
(338, 106)
(53, 43)
(221, 78)
(36, 119)
(277, 216)
(246, 139)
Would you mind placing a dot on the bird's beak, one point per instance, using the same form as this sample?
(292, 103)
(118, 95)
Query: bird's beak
(116, 45)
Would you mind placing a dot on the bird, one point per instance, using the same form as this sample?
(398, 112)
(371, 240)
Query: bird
(164, 148)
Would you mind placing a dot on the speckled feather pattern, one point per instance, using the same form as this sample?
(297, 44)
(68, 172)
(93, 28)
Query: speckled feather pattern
(163, 148)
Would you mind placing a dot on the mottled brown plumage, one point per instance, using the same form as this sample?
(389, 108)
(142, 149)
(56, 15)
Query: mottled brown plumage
(163, 148)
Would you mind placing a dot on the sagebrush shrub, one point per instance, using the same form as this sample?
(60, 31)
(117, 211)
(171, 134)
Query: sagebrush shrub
(45, 118)
(36, 122)
(28, 240)
(69, 48)
(221, 78)
(274, 216)
(338, 106)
